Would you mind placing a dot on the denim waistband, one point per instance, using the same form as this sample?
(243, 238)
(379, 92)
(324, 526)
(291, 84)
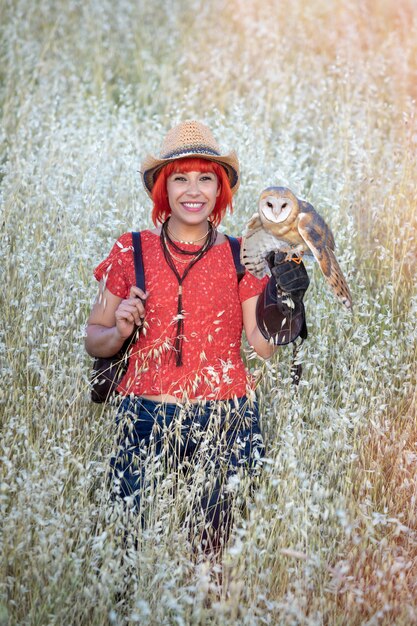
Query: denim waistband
(239, 405)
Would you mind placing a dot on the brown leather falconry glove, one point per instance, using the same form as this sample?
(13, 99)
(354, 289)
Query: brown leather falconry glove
(280, 314)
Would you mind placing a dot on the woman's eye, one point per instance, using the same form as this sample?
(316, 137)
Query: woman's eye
(178, 177)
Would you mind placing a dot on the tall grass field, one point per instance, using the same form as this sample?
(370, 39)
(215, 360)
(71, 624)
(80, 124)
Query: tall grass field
(317, 95)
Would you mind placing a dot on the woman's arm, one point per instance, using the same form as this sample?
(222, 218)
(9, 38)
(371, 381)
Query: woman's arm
(112, 320)
(254, 336)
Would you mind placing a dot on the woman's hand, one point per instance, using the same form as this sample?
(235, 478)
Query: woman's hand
(112, 320)
(290, 277)
(130, 312)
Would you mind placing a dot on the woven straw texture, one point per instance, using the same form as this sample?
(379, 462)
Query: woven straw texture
(188, 139)
(187, 136)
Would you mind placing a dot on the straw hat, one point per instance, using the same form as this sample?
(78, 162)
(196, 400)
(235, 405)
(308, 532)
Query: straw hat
(189, 139)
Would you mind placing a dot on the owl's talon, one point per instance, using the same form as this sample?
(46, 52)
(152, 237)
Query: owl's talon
(291, 256)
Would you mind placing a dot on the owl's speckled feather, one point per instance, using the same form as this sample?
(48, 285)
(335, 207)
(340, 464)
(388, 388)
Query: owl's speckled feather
(285, 223)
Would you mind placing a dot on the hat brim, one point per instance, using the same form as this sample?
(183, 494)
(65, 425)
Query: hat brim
(151, 166)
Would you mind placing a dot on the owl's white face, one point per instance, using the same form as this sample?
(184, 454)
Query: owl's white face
(275, 209)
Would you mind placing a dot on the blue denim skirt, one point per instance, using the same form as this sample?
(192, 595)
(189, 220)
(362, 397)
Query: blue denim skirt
(223, 435)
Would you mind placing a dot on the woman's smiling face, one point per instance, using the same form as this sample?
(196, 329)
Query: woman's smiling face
(192, 196)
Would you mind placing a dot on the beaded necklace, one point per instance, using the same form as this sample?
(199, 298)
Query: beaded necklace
(188, 242)
(177, 258)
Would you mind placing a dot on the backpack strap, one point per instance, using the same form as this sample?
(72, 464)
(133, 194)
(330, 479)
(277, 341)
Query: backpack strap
(235, 247)
(138, 260)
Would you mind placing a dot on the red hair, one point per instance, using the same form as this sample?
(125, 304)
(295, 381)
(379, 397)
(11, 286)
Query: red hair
(161, 209)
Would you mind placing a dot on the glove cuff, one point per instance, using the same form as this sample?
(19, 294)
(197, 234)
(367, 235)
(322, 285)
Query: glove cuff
(279, 317)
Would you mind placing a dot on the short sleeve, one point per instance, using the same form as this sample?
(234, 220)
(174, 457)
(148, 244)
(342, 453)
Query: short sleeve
(251, 286)
(118, 268)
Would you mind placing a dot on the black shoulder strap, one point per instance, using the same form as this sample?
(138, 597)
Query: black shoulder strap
(235, 246)
(138, 259)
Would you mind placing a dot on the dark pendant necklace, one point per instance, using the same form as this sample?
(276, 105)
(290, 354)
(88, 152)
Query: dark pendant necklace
(197, 255)
(177, 248)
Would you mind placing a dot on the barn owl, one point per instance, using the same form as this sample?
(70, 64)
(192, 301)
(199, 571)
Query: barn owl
(292, 226)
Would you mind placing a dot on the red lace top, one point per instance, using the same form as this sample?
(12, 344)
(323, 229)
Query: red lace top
(212, 365)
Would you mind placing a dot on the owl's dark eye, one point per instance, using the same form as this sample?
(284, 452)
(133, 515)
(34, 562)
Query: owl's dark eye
(284, 205)
(269, 204)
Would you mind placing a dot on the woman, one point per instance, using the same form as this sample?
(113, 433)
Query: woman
(186, 391)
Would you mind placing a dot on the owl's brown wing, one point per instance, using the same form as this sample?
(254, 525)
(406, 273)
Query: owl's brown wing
(319, 238)
(324, 234)
(256, 243)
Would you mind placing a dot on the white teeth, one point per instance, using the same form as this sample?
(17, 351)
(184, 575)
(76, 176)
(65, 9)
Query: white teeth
(193, 204)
